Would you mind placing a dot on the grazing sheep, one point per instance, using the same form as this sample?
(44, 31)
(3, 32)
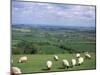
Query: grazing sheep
(56, 58)
(49, 65)
(80, 60)
(73, 61)
(65, 63)
(87, 55)
(78, 55)
(15, 71)
(23, 59)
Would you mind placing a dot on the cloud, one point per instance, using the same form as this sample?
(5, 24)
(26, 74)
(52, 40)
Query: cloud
(32, 12)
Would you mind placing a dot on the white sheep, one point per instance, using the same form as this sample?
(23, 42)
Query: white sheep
(15, 71)
(73, 61)
(49, 64)
(80, 60)
(65, 63)
(87, 55)
(23, 59)
(78, 55)
(56, 57)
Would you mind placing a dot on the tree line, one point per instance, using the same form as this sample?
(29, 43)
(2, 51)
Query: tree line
(26, 47)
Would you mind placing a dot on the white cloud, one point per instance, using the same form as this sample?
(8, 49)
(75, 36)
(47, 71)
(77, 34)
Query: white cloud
(50, 12)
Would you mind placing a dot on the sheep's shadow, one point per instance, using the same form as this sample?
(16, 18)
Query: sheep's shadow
(61, 68)
(64, 68)
(45, 69)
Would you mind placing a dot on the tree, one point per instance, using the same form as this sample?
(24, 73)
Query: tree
(25, 47)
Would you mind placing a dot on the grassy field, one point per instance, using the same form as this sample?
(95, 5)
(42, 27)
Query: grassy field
(37, 63)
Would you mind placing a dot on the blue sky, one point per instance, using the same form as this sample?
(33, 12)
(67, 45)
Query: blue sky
(52, 14)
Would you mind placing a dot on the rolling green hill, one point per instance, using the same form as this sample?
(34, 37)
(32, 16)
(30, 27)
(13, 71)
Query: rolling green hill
(50, 39)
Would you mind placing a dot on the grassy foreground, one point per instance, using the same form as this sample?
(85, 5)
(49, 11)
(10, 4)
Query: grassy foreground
(37, 63)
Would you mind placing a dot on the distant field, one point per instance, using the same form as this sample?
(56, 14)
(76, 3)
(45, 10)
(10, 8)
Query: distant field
(49, 38)
(37, 62)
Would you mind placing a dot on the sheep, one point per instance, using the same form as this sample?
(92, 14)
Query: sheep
(80, 60)
(73, 62)
(65, 63)
(15, 71)
(87, 55)
(56, 58)
(49, 65)
(22, 59)
(78, 55)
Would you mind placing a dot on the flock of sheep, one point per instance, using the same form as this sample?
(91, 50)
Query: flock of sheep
(65, 63)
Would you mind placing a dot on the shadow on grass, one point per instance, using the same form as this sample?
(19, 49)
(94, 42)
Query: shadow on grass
(46, 69)
(61, 68)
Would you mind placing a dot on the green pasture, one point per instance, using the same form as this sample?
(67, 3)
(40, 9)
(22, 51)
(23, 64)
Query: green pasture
(37, 63)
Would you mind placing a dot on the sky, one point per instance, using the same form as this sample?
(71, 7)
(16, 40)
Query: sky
(52, 14)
